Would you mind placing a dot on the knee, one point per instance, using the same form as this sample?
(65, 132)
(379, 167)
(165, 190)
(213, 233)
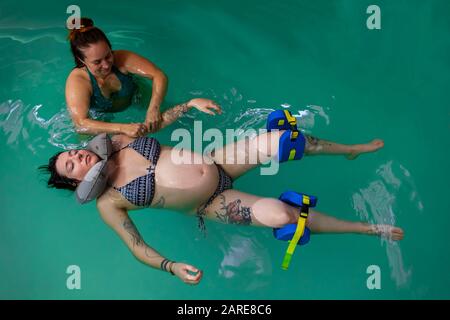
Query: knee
(273, 213)
(284, 216)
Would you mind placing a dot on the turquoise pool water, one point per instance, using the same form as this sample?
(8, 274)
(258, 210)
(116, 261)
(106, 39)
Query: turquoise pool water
(316, 58)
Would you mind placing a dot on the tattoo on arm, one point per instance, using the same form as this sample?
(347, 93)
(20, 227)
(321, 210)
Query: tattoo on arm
(174, 113)
(150, 254)
(136, 238)
(234, 212)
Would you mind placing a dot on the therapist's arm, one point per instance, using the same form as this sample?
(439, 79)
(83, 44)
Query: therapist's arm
(136, 64)
(78, 95)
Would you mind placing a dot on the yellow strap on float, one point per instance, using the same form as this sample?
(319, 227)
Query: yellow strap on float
(291, 155)
(294, 135)
(301, 224)
(292, 121)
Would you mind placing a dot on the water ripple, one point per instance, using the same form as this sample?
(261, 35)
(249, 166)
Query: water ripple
(244, 255)
(375, 204)
(28, 35)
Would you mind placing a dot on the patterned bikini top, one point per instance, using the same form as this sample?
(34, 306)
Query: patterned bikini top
(141, 190)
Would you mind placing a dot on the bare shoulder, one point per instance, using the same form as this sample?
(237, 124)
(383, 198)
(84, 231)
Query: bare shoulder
(121, 58)
(113, 207)
(121, 140)
(78, 79)
(78, 73)
(120, 55)
(110, 205)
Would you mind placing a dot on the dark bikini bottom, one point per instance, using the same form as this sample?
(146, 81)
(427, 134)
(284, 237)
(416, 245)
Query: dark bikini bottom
(225, 183)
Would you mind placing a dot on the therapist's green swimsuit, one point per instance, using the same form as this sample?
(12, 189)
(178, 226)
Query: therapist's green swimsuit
(119, 99)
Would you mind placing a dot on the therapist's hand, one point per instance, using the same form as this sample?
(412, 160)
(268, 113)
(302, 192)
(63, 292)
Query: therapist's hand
(134, 130)
(153, 120)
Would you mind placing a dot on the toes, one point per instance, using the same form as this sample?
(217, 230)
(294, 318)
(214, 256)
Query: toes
(397, 234)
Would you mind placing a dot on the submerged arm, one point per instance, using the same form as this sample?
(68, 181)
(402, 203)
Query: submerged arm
(139, 65)
(171, 115)
(119, 221)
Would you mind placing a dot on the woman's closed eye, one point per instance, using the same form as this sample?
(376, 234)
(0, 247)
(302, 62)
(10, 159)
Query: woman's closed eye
(69, 163)
(69, 166)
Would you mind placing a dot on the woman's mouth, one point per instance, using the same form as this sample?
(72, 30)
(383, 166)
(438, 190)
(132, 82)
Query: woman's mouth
(88, 157)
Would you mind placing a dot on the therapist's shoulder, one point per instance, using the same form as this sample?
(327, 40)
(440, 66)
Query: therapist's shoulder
(120, 55)
(124, 57)
(78, 77)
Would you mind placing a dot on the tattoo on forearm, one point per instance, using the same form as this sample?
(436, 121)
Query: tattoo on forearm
(149, 254)
(136, 238)
(234, 212)
(176, 112)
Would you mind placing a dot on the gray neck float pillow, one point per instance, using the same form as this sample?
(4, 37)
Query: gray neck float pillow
(94, 183)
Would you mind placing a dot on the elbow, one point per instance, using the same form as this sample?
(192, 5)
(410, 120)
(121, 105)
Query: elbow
(81, 126)
(162, 78)
(136, 256)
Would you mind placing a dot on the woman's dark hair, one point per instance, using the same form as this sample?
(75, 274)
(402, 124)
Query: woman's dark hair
(83, 37)
(57, 181)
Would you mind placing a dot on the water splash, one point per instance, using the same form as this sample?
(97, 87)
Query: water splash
(12, 114)
(11, 120)
(256, 117)
(249, 114)
(375, 204)
(252, 118)
(18, 122)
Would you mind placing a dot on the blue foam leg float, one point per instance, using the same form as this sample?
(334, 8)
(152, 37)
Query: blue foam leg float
(296, 234)
(281, 120)
(287, 232)
(292, 142)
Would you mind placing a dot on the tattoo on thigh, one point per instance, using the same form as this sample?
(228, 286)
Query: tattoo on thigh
(133, 232)
(234, 212)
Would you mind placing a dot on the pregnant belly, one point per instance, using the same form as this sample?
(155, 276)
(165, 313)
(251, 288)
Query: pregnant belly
(184, 186)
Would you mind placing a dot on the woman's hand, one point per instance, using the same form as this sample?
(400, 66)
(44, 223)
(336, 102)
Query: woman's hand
(182, 270)
(134, 130)
(205, 105)
(153, 120)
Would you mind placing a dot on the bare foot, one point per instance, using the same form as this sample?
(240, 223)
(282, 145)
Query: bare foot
(386, 231)
(372, 146)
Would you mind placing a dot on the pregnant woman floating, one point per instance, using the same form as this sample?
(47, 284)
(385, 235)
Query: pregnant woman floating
(129, 174)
